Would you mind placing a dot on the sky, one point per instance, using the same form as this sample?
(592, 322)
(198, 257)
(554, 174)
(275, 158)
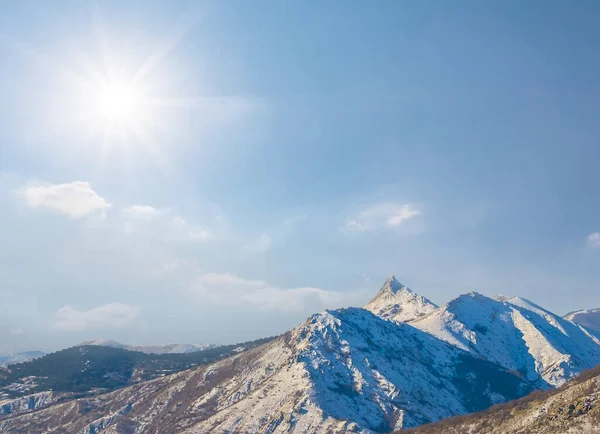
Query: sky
(203, 171)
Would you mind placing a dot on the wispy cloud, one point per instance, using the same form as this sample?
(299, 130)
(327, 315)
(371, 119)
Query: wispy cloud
(229, 289)
(112, 315)
(16, 332)
(382, 215)
(76, 199)
(594, 239)
(150, 220)
(261, 244)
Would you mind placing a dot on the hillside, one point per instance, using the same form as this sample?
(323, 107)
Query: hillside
(571, 409)
(84, 370)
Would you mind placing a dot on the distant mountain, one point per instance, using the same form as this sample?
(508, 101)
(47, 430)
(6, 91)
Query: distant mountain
(152, 349)
(573, 409)
(590, 319)
(11, 359)
(396, 302)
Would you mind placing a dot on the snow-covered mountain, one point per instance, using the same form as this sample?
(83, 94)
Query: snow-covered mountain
(395, 301)
(590, 319)
(152, 349)
(512, 332)
(516, 334)
(340, 371)
(11, 359)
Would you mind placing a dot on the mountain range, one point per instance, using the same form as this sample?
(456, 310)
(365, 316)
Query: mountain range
(152, 349)
(401, 361)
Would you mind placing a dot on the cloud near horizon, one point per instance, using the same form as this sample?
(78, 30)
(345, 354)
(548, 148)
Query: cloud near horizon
(382, 215)
(229, 289)
(108, 316)
(75, 199)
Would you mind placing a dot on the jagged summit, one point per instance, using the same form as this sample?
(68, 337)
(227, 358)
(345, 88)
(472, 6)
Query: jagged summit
(392, 285)
(397, 302)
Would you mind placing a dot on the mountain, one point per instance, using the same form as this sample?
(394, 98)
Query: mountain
(340, 371)
(152, 349)
(590, 319)
(517, 334)
(396, 302)
(399, 362)
(572, 409)
(11, 359)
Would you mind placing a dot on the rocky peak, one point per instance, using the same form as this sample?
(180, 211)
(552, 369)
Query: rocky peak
(396, 302)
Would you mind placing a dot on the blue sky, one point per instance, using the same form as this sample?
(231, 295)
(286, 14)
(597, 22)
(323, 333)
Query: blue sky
(279, 158)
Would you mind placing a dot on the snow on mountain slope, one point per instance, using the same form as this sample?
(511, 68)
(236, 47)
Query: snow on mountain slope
(396, 302)
(152, 349)
(590, 319)
(516, 334)
(340, 371)
(29, 402)
(571, 409)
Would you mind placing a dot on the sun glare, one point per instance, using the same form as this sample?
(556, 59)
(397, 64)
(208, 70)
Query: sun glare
(117, 102)
(111, 104)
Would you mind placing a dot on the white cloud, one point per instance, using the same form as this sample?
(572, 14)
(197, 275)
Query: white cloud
(16, 332)
(75, 199)
(144, 211)
(112, 315)
(229, 289)
(594, 239)
(382, 215)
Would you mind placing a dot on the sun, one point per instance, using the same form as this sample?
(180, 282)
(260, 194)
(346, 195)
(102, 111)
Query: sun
(117, 102)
